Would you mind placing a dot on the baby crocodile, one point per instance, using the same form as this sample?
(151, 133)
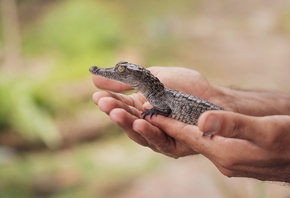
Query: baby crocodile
(168, 102)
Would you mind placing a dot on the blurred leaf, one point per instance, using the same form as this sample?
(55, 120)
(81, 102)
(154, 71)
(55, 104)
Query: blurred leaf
(20, 111)
(76, 33)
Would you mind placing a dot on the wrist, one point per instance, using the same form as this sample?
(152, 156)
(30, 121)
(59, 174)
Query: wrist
(255, 103)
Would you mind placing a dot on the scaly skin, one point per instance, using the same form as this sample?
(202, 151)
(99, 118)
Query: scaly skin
(168, 102)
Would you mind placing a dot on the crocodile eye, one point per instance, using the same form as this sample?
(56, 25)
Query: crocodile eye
(121, 68)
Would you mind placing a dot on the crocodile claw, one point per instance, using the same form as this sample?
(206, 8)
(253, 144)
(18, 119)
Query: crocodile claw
(156, 112)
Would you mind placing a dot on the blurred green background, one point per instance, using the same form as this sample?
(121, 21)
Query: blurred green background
(54, 142)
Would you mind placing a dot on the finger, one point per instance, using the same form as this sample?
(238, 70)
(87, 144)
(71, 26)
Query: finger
(228, 124)
(152, 134)
(147, 105)
(159, 141)
(105, 83)
(183, 133)
(267, 132)
(107, 104)
(135, 100)
(125, 120)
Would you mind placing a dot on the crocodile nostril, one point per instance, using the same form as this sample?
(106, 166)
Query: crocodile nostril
(94, 69)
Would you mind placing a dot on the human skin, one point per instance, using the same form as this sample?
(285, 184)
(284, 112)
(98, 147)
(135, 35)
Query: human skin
(251, 138)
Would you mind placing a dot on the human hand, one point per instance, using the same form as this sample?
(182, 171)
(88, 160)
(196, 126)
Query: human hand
(242, 146)
(126, 110)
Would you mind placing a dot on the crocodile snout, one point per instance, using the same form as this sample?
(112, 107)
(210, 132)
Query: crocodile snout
(94, 69)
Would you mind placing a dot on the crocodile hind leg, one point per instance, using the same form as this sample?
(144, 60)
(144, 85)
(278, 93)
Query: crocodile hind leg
(154, 111)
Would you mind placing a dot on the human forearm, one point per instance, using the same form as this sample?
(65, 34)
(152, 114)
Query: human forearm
(256, 103)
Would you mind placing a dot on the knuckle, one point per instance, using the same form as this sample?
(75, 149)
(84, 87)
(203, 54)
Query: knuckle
(273, 138)
(175, 156)
(229, 167)
(229, 161)
(169, 153)
(229, 164)
(226, 172)
(166, 150)
(235, 128)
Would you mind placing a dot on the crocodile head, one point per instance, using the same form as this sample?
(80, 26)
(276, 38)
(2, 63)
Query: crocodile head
(124, 72)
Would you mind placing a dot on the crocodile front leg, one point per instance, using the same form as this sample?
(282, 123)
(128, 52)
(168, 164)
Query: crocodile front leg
(155, 111)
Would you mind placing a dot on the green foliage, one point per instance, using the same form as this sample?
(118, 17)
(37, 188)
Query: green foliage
(23, 111)
(285, 22)
(77, 33)
(73, 35)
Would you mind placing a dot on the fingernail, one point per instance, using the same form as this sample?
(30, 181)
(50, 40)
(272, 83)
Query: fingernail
(212, 125)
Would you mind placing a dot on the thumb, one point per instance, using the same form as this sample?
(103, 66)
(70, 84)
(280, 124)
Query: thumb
(229, 124)
(266, 132)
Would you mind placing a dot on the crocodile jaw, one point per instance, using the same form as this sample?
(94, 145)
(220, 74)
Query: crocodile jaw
(110, 73)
